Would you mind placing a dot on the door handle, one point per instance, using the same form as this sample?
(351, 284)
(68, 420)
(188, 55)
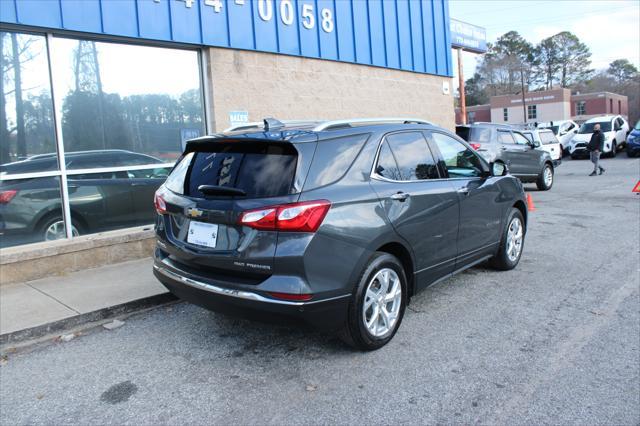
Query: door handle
(400, 196)
(464, 190)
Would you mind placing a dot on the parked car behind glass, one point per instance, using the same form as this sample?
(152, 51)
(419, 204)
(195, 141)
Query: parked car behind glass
(337, 224)
(501, 143)
(31, 209)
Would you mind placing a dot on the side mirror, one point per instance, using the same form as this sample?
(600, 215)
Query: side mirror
(499, 169)
(562, 133)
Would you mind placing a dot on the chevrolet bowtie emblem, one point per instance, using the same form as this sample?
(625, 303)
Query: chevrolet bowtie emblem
(194, 212)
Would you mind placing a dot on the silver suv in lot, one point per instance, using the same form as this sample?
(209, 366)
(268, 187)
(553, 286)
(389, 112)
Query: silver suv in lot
(499, 143)
(335, 223)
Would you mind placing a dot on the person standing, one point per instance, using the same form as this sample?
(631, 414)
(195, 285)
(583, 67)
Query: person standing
(595, 147)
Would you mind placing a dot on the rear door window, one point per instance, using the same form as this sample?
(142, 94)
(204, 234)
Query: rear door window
(261, 169)
(520, 139)
(504, 137)
(412, 156)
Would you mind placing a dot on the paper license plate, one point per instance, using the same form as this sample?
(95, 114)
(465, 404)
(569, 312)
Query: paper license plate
(202, 234)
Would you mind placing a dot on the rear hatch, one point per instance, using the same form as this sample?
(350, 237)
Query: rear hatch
(210, 188)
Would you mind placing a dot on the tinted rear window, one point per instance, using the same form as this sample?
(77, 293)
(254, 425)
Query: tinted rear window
(263, 169)
(475, 134)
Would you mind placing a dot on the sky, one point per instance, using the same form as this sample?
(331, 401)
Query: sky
(610, 28)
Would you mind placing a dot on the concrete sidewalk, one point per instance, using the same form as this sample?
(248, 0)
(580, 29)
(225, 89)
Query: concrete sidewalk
(33, 304)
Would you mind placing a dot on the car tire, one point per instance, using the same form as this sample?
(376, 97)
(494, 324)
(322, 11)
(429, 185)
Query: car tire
(545, 178)
(614, 149)
(504, 259)
(55, 225)
(363, 329)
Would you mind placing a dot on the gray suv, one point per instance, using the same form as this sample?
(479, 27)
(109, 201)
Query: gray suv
(524, 158)
(336, 223)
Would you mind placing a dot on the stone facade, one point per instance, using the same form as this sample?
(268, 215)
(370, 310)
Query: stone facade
(289, 87)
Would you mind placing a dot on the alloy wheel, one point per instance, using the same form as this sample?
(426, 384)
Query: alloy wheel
(515, 236)
(56, 231)
(382, 301)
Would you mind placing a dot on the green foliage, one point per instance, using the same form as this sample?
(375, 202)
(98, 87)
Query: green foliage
(622, 70)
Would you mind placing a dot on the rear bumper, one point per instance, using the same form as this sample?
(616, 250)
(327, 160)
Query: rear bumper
(326, 314)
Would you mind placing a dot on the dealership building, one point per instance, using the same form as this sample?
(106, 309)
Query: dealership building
(98, 98)
(546, 106)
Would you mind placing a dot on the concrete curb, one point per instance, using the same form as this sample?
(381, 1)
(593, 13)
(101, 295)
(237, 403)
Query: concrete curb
(89, 317)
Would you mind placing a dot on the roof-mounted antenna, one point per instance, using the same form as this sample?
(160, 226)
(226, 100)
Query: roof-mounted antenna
(272, 124)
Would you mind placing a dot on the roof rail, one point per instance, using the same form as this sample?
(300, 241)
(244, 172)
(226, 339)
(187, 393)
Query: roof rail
(260, 124)
(342, 123)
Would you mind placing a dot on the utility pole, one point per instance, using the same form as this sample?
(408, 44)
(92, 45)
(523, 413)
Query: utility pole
(463, 101)
(524, 106)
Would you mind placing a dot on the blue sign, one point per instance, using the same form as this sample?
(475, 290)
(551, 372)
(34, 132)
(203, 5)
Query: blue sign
(411, 35)
(468, 37)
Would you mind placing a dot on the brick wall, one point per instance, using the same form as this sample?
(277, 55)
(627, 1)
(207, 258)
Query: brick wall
(287, 87)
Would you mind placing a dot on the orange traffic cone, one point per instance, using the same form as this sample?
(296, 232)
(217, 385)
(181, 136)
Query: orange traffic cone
(530, 206)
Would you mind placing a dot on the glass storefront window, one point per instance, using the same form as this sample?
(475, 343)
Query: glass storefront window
(111, 200)
(27, 135)
(125, 112)
(30, 211)
(136, 99)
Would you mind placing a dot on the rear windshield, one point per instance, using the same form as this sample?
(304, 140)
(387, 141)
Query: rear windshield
(605, 126)
(547, 138)
(263, 169)
(474, 134)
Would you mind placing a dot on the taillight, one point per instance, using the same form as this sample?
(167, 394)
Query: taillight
(6, 196)
(297, 217)
(159, 203)
(475, 146)
(291, 296)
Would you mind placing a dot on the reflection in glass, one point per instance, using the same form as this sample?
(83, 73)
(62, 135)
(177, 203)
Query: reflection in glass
(30, 211)
(140, 99)
(112, 200)
(26, 111)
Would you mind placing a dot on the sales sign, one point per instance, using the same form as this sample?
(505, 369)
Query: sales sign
(468, 37)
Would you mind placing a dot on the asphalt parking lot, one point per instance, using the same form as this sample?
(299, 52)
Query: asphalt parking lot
(557, 340)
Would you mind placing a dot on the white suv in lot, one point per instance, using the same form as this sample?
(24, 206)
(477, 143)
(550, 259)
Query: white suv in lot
(546, 140)
(564, 130)
(614, 128)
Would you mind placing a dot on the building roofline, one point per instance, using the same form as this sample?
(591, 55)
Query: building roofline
(600, 93)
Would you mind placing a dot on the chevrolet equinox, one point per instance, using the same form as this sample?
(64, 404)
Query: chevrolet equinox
(334, 223)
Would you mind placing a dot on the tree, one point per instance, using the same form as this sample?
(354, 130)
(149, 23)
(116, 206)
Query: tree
(475, 93)
(574, 57)
(548, 62)
(506, 63)
(622, 70)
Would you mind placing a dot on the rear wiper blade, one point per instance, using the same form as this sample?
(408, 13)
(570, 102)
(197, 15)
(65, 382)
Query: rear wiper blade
(220, 190)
